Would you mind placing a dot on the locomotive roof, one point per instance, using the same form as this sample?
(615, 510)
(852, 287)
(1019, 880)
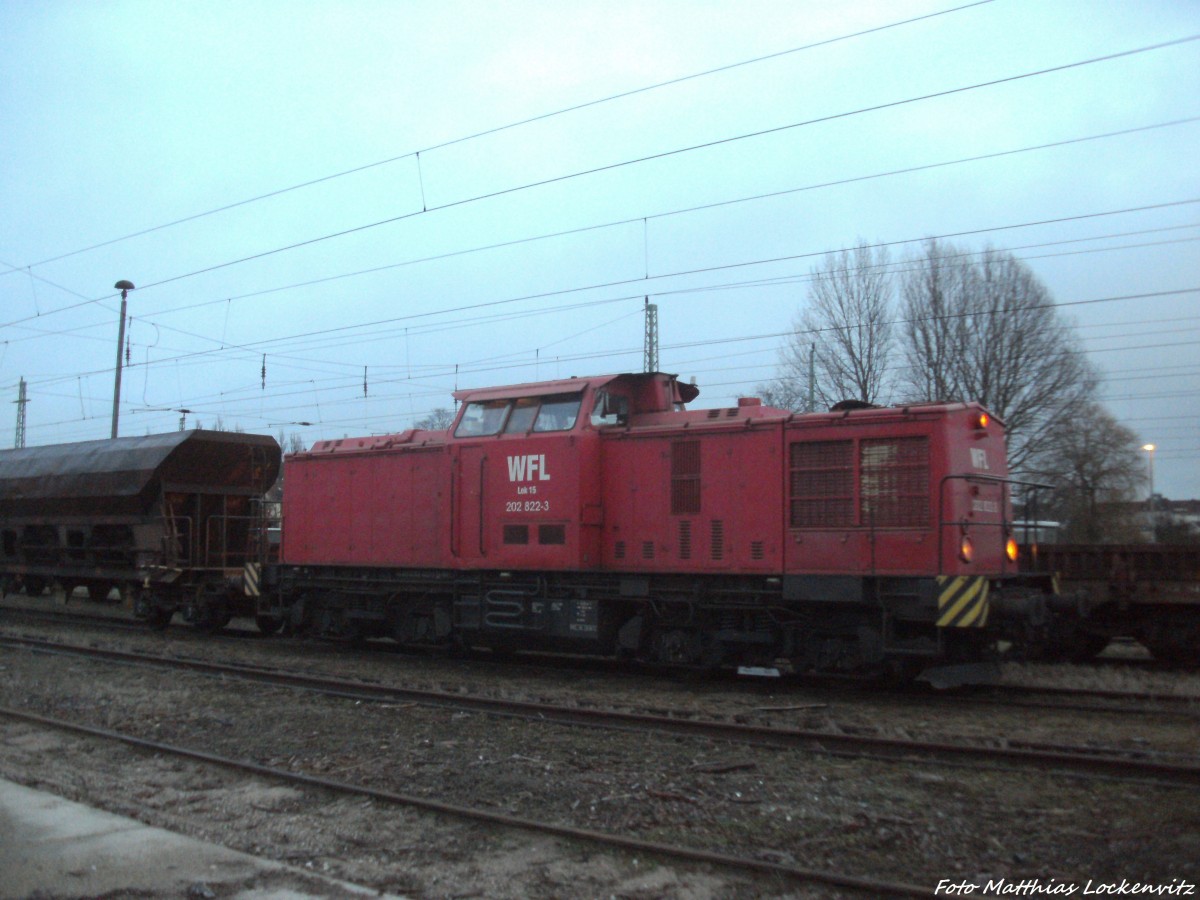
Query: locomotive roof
(534, 388)
(680, 392)
(123, 472)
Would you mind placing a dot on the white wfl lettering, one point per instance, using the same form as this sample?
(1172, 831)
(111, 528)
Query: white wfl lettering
(528, 467)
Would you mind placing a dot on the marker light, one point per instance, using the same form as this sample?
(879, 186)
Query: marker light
(966, 550)
(1010, 549)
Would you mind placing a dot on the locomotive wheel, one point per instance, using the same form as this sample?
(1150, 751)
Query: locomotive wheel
(213, 619)
(678, 647)
(268, 624)
(1174, 640)
(1086, 647)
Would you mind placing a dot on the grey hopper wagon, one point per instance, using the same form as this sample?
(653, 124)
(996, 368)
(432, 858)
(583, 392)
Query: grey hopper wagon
(169, 520)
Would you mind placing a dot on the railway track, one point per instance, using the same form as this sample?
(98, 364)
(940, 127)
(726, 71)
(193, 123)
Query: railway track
(1034, 696)
(744, 865)
(1067, 760)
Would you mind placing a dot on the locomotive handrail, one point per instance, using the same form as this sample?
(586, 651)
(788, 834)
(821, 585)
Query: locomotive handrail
(482, 487)
(1004, 482)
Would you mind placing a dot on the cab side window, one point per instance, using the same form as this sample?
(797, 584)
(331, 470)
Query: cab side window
(610, 409)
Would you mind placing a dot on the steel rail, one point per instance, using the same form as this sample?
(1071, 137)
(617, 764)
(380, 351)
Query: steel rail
(568, 832)
(1081, 762)
(118, 623)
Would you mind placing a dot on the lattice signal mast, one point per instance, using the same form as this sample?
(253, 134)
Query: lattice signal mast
(22, 399)
(650, 356)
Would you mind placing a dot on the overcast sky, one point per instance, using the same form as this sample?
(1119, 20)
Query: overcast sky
(253, 168)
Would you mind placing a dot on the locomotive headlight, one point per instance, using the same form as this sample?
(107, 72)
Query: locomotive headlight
(966, 550)
(980, 420)
(1010, 549)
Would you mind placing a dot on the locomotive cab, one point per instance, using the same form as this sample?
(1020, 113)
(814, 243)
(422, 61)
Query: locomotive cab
(523, 469)
(526, 469)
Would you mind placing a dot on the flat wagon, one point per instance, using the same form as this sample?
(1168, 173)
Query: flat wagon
(1150, 592)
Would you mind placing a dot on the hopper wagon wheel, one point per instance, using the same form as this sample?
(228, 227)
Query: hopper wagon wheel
(209, 609)
(158, 615)
(98, 591)
(1086, 647)
(35, 585)
(159, 618)
(213, 618)
(152, 609)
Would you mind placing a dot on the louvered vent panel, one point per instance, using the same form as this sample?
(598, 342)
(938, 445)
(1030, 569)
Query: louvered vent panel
(894, 488)
(685, 539)
(685, 478)
(821, 481)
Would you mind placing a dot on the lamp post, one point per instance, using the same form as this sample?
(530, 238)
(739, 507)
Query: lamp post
(124, 287)
(1149, 448)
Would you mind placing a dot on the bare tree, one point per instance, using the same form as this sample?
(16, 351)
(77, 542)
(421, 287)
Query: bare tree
(785, 392)
(842, 341)
(1094, 463)
(438, 420)
(988, 330)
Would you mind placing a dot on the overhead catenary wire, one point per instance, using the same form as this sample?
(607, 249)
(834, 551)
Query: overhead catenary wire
(257, 346)
(632, 350)
(692, 148)
(308, 351)
(568, 232)
(416, 154)
(658, 156)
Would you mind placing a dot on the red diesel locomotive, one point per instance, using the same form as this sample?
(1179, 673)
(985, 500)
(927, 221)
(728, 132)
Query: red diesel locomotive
(599, 515)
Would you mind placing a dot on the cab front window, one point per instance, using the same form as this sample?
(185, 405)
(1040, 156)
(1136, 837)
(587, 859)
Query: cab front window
(558, 413)
(482, 418)
(523, 414)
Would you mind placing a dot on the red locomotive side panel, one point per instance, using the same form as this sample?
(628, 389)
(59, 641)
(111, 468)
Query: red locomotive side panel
(694, 499)
(520, 502)
(369, 501)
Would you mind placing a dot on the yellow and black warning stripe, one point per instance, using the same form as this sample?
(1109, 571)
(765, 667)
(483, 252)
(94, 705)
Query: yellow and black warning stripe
(962, 601)
(252, 579)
